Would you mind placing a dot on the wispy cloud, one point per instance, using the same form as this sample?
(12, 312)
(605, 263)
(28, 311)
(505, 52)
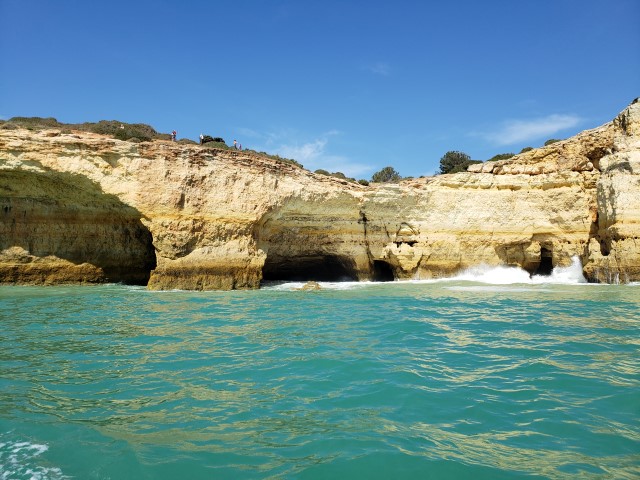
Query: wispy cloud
(306, 152)
(518, 131)
(314, 153)
(379, 68)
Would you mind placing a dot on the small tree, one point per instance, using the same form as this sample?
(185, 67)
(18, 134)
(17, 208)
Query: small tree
(386, 175)
(454, 161)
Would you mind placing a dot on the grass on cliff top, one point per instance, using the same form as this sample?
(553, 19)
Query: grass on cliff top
(136, 132)
(131, 132)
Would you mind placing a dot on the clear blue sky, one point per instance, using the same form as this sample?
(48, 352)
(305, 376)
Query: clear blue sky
(350, 86)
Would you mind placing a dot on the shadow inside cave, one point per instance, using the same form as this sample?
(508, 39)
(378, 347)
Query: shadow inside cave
(325, 268)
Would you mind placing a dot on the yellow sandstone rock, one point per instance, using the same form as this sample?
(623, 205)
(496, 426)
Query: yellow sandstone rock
(81, 207)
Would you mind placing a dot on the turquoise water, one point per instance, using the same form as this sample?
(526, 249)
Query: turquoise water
(450, 379)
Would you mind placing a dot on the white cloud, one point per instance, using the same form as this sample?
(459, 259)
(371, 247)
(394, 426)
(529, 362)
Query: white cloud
(305, 152)
(313, 156)
(520, 131)
(313, 153)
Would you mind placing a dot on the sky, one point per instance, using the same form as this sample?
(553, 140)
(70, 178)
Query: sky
(348, 86)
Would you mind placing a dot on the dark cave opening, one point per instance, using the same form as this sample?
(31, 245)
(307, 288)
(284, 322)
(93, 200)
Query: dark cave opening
(321, 268)
(546, 262)
(382, 271)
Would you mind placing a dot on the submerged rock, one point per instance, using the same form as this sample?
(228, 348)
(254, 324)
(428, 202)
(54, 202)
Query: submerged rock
(311, 286)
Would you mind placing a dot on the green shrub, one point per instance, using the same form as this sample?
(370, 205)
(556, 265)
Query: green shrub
(209, 138)
(364, 182)
(501, 156)
(526, 149)
(121, 131)
(551, 140)
(37, 123)
(386, 175)
(222, 145)
(454, 162)
(340, 175)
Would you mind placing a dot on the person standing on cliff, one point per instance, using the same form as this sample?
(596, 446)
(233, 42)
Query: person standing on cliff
(235, 145)
(173, 136)
(201, 138)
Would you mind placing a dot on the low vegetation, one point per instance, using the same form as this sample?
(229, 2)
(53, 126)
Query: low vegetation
(451, 162)
(122, 131)
(386, 175)
(341, 176)
(209, 139)
(501, 156)
(454, 161)
(132, 132)
(213, 144)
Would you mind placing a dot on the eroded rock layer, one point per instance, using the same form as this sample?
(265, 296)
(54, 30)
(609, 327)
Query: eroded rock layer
(80, 207)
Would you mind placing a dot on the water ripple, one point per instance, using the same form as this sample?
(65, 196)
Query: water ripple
(376, 381)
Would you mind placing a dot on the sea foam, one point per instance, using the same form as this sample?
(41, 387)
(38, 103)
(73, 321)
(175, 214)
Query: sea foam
(500, 275)
(18, 459)
(503, 275)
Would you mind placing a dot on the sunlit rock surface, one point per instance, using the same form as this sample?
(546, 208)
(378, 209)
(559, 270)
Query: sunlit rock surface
(81, 207)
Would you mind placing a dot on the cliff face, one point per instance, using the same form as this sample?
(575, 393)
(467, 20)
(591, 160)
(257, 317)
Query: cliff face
(87, 208)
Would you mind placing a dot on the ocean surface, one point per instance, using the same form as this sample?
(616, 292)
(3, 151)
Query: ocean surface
(490, 375)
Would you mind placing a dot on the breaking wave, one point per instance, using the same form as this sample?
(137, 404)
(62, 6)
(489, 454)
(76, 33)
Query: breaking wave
(501, 275)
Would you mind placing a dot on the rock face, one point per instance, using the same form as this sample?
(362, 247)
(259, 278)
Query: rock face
(87, 208)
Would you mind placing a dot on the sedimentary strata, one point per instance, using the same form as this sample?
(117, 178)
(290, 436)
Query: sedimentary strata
(81, 207)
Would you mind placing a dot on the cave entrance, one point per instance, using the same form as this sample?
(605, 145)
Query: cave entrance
(321, 268)
(546, 262)
(382, 271)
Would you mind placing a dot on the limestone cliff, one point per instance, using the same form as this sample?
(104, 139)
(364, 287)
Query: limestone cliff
(81, 207)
